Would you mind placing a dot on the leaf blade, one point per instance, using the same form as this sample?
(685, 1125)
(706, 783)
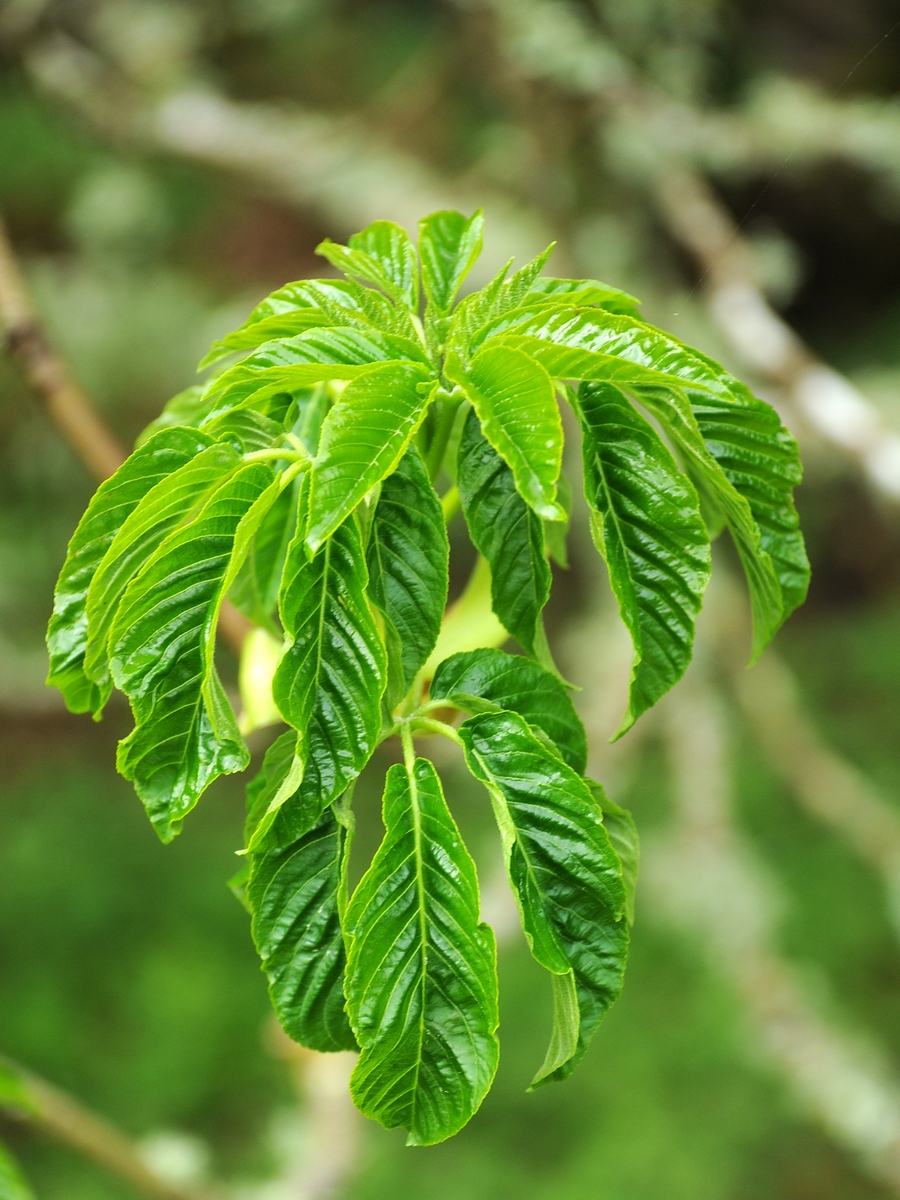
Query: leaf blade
(449, 245)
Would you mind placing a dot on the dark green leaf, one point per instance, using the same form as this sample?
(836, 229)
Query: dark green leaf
(508, 534)
(255, 588)
(486, 680)
(293, 896)
(363, 438)
(161, 653)
(623, 837)
(421, 976)
(172, 502)
(516, 404)
(645, 519)
(449, 245)
(408, 556)
(562, 868)
(109, 508)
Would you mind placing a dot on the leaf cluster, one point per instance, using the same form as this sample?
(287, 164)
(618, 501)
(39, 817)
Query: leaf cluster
(300, 482)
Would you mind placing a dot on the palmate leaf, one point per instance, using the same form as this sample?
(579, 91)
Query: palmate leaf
(293, 893)
(564, 873)
(489, 680)
(646, 522)
(362, 440)
(408, 558)
(161, 653)
(329, 683)
(509, 535)
(13, 1185)
(109, 508)
(421, 976)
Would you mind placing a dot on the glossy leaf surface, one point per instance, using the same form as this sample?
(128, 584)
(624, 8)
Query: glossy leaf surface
(449, 244)
(421, 976)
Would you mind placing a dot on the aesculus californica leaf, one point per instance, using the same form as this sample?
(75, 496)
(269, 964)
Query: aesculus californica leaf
(310, 481)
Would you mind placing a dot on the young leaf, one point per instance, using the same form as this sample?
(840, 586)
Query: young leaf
(421, 978)
(13, 1185)
(583, 293)
(516, 404)
(329, 683)
(111, 505)
(161, 653)
(645, 519)
(172, 502)
(623, 836)
(408, 557)
(390, 247)
(508, 534)
(363, 438)
(488, 680)
(562, 868)
(449, 245)
(293, 896)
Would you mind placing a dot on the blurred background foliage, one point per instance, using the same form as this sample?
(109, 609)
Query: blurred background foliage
(126, 969)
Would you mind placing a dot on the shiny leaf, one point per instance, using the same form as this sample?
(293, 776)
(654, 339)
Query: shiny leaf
(390, 247)
(623, 836)
(421, 978)
(449, 245)
(255, 588)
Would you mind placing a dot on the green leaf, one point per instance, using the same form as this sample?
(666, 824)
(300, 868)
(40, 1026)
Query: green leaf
(249, 336)
(421, 979)
(555, 532)
(362, 440)
(162, 648)
(381, 255)
(187, 409)
(516, 404)
(329, 683)
(584, 293)
(408, 558)
(246, 429)
(623, 837)
(255, 588)
(12, 1182)
(14, 1093)
(646, 522)
(172, 502)
(449, 245)
(293, 896)
(488, 680)
(111, 505)
(563, 870)
(508, 534)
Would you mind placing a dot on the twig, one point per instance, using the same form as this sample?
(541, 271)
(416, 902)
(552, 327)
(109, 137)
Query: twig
(69, 1122)
(67, 405)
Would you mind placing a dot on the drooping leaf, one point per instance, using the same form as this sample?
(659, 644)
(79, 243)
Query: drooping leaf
(508, 533)
(293, 896)
(408, 557)
(109, 508)
(487, 680)
(646, 522)
(329, 683)
(363, 438)
(161, 653)
(421, 979)
(563, 870)
(171, 502)
(13, 1185)
(516, 404)
(255, 588)
(449, 245)
(623, 836)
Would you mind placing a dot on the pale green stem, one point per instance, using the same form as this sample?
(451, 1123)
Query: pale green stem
(450, 503)
(295, 456)
(440, 727)
(409, 750)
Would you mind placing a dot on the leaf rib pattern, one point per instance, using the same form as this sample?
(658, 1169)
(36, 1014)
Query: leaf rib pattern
(421, 969)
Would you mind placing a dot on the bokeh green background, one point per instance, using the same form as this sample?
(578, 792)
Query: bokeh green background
(126, 969)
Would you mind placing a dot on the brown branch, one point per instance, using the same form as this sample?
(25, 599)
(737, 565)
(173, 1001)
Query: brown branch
(69, 1122)
(68, 406)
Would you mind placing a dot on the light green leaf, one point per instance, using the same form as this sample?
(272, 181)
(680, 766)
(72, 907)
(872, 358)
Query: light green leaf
(449, 245)
(13, 1185)
(487, 680)
(556, 532)
(162, 647)
(516, 404)
(646, 522)
(109, 508)
(172, 502)
(248, 337)
(508, 534)
(408, 557)
(329, 683)
(293, 896)
(391, 248)
(363, 438)
(246, 428)
(562, 867)
(421, 979)
(623, 837)
(583, 293)
(14, 1093)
